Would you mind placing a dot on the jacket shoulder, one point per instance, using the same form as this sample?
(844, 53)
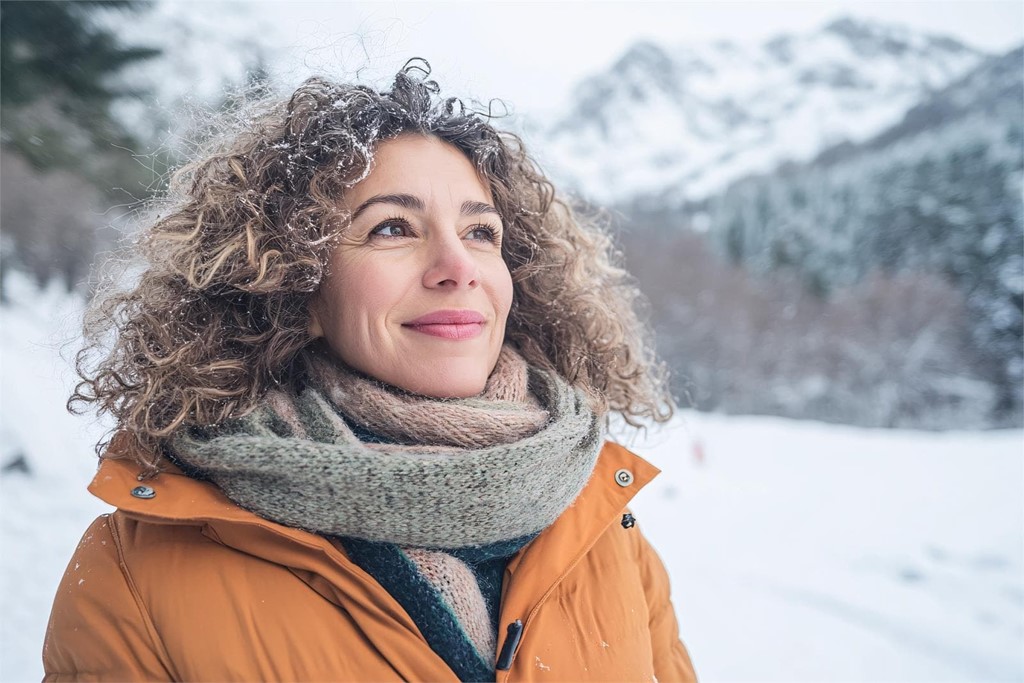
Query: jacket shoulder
(671, 659)
(625, 561)
(99, 628)
(211, 611)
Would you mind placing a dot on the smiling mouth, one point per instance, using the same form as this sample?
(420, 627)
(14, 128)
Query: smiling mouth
(454, 324)
(457, 331)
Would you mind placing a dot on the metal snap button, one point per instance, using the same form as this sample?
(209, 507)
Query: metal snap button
(623, 477)
(628, 521)
(143, 492)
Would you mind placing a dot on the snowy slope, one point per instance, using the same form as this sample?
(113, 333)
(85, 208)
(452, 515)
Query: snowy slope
(809, 552)
(41, 514)
(695, 118)
(797, 552)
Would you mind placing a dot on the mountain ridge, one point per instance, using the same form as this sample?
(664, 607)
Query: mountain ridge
(693, 118)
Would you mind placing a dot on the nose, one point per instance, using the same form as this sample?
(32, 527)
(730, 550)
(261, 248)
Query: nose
(450, 264)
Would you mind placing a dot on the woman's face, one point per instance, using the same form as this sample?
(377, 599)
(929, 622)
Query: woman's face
(417, 293)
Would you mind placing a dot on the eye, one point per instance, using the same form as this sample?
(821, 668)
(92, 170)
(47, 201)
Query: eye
(392, 228)
(483, 233)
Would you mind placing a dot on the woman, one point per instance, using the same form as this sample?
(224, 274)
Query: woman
(360, 387)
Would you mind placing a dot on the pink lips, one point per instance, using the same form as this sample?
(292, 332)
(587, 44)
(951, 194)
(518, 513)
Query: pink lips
(454, 324)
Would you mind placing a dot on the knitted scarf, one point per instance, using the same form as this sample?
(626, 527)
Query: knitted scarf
(430, 496)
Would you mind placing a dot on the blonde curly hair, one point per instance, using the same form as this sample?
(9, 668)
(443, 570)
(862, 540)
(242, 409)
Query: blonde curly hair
(220, 312)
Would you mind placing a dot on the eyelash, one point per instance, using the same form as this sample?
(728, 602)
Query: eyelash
(395, 220)
(492, 233)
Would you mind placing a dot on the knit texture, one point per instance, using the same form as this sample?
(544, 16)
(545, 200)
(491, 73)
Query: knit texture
(453, 597)
(429, 496)
(460, 473)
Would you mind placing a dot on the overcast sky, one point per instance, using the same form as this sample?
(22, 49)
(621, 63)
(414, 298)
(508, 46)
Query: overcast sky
(531, 53)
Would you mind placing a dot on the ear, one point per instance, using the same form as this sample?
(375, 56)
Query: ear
(315, 329)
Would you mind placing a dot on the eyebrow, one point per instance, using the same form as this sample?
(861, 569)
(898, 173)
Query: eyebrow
(414, 203)
(471, 208)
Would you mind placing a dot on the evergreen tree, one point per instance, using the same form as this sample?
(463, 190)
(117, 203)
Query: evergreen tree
(62, 149)
(58, 69)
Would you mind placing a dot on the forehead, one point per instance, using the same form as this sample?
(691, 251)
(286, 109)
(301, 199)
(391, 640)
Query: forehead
(427, 167)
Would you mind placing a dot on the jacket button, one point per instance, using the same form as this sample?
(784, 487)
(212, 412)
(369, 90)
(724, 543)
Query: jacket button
(628, 521)
(623, 477)
(143, 492)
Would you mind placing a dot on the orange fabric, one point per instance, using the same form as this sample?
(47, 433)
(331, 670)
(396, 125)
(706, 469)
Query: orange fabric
(187, 586)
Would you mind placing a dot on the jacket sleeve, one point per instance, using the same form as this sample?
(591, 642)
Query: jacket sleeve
(671, 660)
(98, 629)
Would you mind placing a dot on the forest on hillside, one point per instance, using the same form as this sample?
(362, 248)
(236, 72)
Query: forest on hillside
(881, 284)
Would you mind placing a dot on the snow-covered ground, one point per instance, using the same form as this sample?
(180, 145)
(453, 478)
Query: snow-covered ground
(809, 552)
(797, 551)
(42, 513)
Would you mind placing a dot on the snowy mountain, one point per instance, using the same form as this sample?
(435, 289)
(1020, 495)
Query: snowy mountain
(938, 193)
(687, 121)
(980, 113)
(993, 90)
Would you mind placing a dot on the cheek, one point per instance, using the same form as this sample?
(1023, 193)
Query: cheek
(360, 295)
(502, 290)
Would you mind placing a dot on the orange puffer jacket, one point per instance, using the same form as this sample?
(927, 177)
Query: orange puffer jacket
(187, 586)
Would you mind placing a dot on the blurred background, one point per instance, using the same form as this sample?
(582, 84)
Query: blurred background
(824, 203)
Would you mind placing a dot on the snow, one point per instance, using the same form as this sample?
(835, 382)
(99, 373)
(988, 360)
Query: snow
(802, 551)
(43, 514)
(797, 551)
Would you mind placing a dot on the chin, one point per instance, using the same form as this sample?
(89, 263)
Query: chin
(445, 383)
(450, 389)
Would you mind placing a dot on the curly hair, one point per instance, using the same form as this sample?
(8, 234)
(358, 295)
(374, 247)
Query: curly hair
(220, 311)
